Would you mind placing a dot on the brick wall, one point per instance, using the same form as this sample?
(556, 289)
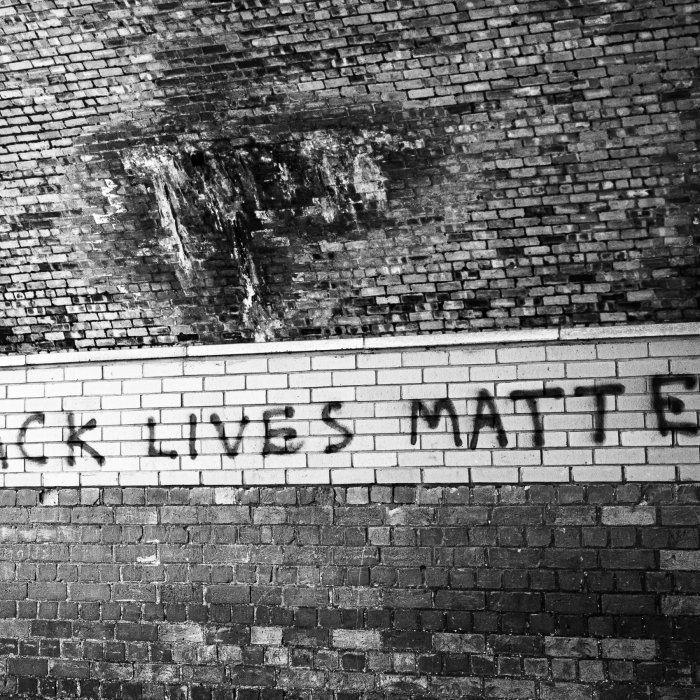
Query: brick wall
(218, 172)
(587, 405)
(351, 593)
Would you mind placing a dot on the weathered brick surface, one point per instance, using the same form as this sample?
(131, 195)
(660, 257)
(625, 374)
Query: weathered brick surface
(214, 171)
(364, 593)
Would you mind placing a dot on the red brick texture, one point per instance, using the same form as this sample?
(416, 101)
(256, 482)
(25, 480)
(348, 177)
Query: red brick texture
(214, 171)
(359, 593)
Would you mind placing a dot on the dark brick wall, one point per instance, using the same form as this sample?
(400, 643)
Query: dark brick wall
(366, 593)
(221, 171)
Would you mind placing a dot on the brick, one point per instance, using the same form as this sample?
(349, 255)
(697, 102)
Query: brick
(629, 649)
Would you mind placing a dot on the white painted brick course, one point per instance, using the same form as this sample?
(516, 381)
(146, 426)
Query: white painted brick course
(368, 394)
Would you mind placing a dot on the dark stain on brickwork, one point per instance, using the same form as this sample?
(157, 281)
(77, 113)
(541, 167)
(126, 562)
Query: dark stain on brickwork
(360, 170)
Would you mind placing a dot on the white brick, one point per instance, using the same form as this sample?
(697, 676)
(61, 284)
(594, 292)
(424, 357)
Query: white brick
(100, 388)
(568, 421)
(183, 384)
(422, 458)
(79, 403)
(446, 475)
(20, 480)
(64, 389)
(567, 457)
(423, 392)
(352, 476)
(399, 376)
(82, 373)
(99, 479)
(335, 460)
(61, 479)
(377, 426)
(378, 393)
(380, 359)
(203, 398)
(226, 477)
(689, 472)
(622, 455)
(123, 370)
(161, 401)
(504, 390)
(571, 352)
(645, 438)
(249, 365)
(248, 462)
(374, 459)
(308, 476)
(42, 405)
(203, 367)
(263, 477)
(673, 348)
(685, 366)
(597, 473)
(137, 478)
(543, 370)
(13, 376)
(634, 368)
(53, 374)
(334, 394)
(163, 369)
(354, 378)
(394, 442)
(296, 460)
(673, 455)
(622, 351)
(529, 475)
(246, 398)
(477, 356)
(597, 370)
(426, 358)
(650, 473)
(310, 379)
(141, 386)
(204, 463)
(178, 478)
(495, 475)
(266, 381)
(468, 458)
(516, 458)
(521, 354)
(24, 391)
(290, 363)
(120, 402)
(446, 374)
(333, 362)
(398, 475)
(493, 373)
(587, 439)
(289, 396)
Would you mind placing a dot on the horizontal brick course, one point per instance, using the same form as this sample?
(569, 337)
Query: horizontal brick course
(590, 422)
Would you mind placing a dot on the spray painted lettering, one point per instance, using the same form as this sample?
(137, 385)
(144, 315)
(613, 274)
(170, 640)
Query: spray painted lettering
(280, 439)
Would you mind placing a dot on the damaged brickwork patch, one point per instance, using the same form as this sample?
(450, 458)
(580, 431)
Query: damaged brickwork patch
(226, 206)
